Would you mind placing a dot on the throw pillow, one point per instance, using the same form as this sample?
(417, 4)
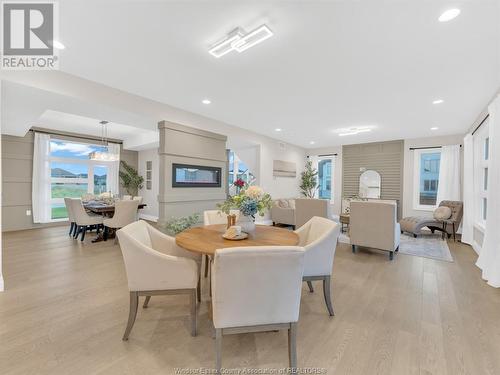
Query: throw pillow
(442, 213)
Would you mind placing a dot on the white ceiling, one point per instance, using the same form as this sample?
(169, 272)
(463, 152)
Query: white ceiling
(330, 64)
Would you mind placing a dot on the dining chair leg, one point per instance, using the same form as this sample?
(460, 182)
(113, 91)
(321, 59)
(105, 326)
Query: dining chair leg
(146, 301)
(105, 233)
(310, 285)
(218, 350)
(198, 288)
(327, 295)
(134, 301)
(193, 311)
(77, 231)
(71, 227)
(206, 265)
(84, 230)
(292, 346)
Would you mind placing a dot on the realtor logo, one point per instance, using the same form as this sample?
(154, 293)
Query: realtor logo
(29, 31)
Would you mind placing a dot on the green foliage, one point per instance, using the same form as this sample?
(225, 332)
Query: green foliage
(177, 225)
(309, 182)
(130, 178)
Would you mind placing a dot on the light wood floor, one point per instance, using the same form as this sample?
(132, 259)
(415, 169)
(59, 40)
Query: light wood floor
(66, 305)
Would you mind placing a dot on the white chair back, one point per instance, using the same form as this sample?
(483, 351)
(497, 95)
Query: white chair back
(127, 197)
(211, 217)
(138, 198)
(319, 238)
(69, 208)
(148, 269)
(125, 213)
(256, 285)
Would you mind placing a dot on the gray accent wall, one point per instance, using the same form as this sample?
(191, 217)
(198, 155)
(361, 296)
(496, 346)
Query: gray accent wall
(186, 145)
(17, 171)
(384, 157)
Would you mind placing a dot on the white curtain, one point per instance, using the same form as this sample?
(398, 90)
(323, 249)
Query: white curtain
(449, 174)
(468, 199)
(113, 178)
(40, 193)
(489, 258)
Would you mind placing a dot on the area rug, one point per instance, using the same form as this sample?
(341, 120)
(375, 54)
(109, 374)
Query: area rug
(426, 245)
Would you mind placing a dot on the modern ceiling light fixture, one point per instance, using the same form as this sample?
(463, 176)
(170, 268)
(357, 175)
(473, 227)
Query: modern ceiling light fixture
(206, 101)
(342, 132)
(434, 128)
(438, 101)
(104, 154)
(278, 129)
(449, 15)
(238, 40)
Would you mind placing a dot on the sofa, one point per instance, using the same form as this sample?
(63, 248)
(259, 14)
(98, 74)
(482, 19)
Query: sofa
(373, 224)
(298, 211)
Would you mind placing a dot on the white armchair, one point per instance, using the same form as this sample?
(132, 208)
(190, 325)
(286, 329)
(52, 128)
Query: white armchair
(155, 272)
(82, 219)
(125, 213)
(374, 224)
(257, 289)
(319, 238)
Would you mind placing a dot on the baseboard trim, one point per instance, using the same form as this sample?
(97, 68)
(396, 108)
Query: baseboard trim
(148, 217)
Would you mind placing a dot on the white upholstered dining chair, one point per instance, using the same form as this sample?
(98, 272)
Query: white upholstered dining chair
(213, 217)
(71, 217)
(137, 198)
(156, 266)
(127, 197)
(256, 289)
(82, 219)
(319, 238)
(125, 213)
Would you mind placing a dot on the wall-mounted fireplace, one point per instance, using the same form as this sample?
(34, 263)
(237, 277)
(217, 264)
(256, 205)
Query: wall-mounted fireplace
(187, 175)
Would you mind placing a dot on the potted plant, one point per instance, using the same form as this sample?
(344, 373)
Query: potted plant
(130, 178)
(250, 201)
(309, 183)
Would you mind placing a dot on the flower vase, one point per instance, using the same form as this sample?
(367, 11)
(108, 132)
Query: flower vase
(247, 223)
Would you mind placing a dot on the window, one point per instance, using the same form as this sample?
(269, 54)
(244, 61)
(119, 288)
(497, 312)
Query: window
(426, 179)
(325, 179)
(481, 157)
(238, 170)
(73, 174)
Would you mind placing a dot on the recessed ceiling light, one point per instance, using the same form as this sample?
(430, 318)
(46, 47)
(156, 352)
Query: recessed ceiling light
(58, 44)
(206, 101)
(434, 128)
(278, 129)
(438, 101)
(238, 40)
(449, 15)
(312, 142)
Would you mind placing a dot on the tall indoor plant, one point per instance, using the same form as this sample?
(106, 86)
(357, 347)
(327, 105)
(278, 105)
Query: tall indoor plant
(309, 183)
(130, 178)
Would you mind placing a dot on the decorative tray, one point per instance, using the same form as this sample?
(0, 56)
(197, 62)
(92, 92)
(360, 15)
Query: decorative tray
(240, 237)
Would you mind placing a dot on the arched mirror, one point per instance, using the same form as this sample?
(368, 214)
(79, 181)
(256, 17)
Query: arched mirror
(369, 185)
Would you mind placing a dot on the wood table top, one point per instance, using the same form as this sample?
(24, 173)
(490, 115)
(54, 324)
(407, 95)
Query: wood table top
(102, 207)
(206, 239)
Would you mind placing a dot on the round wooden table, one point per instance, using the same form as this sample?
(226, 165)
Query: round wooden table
(206, 239)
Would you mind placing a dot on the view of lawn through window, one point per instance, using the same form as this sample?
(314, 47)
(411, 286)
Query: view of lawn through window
(73, 174)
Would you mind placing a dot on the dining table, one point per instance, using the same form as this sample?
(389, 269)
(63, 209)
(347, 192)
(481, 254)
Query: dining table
(207, 239)
(106, 210)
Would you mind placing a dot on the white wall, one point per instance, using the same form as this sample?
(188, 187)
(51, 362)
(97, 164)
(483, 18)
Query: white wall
(150, 197)
(408, 169)
(337, 174)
